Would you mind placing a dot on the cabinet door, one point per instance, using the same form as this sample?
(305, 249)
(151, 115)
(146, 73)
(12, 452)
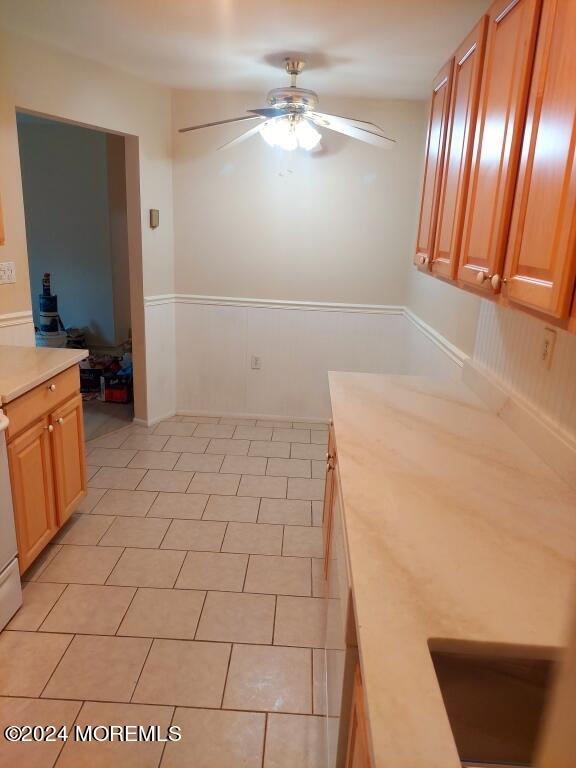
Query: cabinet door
(512, 30)
(31, 468)
(435, 145)
(466, 79)
(69, 461)
(541, 258)
(358, 750)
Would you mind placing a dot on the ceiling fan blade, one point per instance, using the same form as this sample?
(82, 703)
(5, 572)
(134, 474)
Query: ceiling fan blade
(342, 125)
(360, 123)
(268, 112)
(218, 122)
(246, 135)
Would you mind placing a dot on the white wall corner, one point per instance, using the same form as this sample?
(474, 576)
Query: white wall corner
(456, 355)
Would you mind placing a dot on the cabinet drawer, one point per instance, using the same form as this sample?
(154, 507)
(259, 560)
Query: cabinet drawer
(41, 400)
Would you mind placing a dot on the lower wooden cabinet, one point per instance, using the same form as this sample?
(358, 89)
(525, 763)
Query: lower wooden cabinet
(69, 460)
(358, 755)
(31, 475)
(46, 461)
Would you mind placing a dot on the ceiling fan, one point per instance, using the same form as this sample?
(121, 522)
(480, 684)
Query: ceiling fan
(290, 119)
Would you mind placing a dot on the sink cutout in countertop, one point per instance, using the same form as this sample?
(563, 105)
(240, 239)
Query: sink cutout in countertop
(495, 700)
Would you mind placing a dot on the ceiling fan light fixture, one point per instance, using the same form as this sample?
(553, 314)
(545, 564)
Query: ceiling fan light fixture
(308, 137)
(289, 133)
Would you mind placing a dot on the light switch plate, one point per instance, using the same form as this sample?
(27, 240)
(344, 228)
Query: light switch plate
(7, 271)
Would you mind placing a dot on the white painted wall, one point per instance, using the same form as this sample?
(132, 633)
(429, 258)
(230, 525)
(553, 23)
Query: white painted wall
(37, 78)
(336, 226)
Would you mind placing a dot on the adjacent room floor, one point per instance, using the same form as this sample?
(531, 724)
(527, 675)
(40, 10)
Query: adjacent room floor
(101, 418)
(186, 590)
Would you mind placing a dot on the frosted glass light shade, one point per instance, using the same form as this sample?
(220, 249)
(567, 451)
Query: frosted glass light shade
(289, 134)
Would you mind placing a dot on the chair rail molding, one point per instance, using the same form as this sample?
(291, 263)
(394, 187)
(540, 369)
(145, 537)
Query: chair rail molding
(228, 301)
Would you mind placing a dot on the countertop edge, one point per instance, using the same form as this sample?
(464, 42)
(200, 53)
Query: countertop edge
(40, 378)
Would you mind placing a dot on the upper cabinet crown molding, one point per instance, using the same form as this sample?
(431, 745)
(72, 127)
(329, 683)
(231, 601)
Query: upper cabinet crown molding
(468, 60)
(435, 146)
(512, 30)
(541, 263)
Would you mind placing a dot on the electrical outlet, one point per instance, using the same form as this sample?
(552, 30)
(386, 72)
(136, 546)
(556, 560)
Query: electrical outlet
(547, 350)
(7, 271)
(256, 363)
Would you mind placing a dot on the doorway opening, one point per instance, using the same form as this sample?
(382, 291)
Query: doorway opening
(77, 229)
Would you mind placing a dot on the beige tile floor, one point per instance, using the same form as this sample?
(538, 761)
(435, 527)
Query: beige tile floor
(187, 589)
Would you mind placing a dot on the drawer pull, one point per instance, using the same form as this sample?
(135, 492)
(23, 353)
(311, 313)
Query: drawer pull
(52, 387)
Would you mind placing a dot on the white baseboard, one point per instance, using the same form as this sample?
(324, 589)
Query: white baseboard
(263, 416)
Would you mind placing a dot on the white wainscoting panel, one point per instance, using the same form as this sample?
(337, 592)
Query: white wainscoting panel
(17, 329)
(507, 348)
(199, 351)
(297, 343)
(160, 359)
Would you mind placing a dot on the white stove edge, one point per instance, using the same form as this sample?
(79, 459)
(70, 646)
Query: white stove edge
(10, 587)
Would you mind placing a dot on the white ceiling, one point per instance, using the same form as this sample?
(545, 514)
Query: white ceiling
(373, 48)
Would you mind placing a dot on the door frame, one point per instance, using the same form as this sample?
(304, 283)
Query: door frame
(135, 266)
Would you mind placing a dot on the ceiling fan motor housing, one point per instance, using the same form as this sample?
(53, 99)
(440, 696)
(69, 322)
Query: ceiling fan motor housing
(292, 99)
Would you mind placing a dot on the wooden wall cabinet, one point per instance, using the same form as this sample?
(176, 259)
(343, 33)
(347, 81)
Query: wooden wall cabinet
(512, 29)
(435, 147)
(541, 258)
(45, 442)
(466, 79)
(504, 222)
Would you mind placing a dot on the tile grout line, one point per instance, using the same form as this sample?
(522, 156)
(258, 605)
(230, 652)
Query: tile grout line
(170, 706)
(174, 708)
(72, 638)
(200, 615)
(311, 681)
(152, 641)
(226, 676)
(39, 627)
(265, 738)
(136, 590)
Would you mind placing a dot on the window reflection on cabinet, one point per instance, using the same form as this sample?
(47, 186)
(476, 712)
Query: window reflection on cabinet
(512, 29)
(468, 61)
(435, 146)
(541, 258)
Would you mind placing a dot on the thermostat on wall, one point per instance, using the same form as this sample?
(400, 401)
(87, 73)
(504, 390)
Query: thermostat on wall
(154, 218)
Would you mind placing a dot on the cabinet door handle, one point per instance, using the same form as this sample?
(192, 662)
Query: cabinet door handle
(52, 387)
(50, 428)
(60, 420)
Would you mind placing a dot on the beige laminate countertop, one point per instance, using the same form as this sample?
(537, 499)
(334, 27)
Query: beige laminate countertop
(23, 368)
(455, 529)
